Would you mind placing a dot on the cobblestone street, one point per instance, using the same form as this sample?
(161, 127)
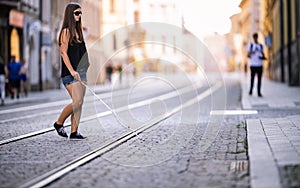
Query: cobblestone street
(175, 152)
(166, 155)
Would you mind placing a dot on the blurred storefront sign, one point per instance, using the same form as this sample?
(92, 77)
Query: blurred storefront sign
(16, 18)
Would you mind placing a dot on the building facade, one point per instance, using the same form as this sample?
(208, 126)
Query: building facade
(282, 31)
(25, 33)
(235, 41)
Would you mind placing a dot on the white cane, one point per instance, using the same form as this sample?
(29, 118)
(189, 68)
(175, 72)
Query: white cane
(106, 105)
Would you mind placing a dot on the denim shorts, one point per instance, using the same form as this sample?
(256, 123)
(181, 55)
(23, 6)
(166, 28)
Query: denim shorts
(69, 79)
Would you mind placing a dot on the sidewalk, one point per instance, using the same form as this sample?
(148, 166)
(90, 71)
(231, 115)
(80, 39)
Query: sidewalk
(275, 95)
(273, 142)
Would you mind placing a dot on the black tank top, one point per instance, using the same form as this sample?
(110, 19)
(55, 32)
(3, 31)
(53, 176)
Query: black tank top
(78, 56)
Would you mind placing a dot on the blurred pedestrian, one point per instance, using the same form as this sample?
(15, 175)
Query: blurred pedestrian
(14, 68)
(23, 77)
(120, 70)
(3, 74)
(245, 68)
(109, 71)
(73, 69)
(256, 54)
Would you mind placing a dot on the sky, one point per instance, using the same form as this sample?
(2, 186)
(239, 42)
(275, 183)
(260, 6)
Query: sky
(205, 17)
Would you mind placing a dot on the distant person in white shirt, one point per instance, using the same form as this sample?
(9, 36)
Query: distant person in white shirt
(256, 54)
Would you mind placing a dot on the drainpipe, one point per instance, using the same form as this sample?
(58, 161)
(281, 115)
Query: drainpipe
(281, 41)
(40, 46)
(289, 45)
(298, 39)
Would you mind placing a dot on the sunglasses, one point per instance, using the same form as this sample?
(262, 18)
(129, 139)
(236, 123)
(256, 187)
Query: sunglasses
(77, 13)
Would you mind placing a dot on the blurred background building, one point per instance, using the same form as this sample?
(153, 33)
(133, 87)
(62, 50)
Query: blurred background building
(21, 32)
(29, 30)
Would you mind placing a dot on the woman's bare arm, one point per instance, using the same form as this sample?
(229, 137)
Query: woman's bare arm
(64, 51)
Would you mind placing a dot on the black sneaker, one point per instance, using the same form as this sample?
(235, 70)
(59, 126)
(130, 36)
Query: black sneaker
(76, 135)
(60, 130)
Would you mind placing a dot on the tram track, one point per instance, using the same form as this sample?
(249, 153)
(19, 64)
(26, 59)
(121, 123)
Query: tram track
(54, 104)
(57, 173)
(99, 115)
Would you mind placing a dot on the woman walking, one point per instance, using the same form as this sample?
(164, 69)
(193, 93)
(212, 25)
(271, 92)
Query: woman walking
(73, 69)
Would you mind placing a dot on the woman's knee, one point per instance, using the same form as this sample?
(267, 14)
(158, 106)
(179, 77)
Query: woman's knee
(77, 103)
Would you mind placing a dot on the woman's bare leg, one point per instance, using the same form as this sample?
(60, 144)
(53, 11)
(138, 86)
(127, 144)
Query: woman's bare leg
(68, 110)
(78, 92)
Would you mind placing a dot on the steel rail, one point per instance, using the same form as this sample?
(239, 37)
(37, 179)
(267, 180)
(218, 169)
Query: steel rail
(57, 173)
(99, 115)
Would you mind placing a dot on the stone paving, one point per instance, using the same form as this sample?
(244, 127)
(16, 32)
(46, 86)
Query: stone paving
(274, 140)
(152, 160)
(137, 163)
(267, 142)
